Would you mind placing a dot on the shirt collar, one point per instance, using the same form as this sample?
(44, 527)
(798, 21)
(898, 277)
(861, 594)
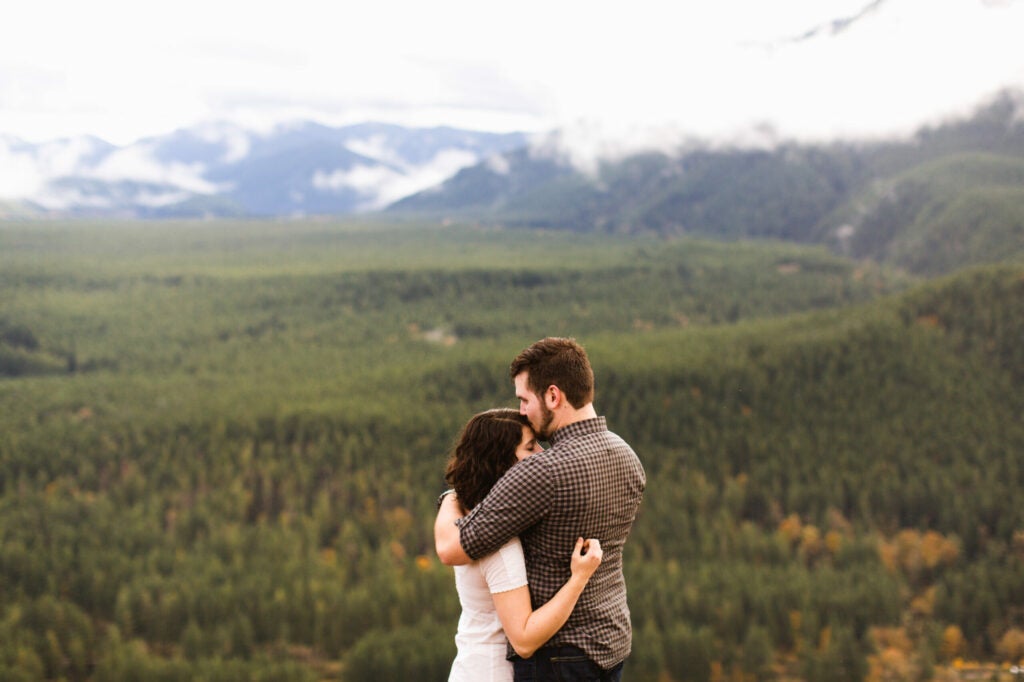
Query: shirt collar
(580, 428)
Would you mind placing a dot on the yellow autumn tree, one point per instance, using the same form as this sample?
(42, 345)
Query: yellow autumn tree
(1011, 646)
(894, 660)
(953, 643)
(791, 528)
(891, 665)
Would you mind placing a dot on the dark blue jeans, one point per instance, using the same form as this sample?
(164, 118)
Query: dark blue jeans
(562, 664)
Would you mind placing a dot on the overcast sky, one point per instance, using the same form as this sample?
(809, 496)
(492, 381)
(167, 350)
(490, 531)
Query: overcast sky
(122, 70)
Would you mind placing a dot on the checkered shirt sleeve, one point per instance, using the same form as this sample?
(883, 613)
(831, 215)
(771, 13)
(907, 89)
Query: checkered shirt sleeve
(519, 500)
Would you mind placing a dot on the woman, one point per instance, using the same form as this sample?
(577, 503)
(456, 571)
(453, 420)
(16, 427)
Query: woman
(493, 591)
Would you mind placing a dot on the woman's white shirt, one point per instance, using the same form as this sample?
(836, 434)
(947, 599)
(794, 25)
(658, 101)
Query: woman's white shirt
(480, 639)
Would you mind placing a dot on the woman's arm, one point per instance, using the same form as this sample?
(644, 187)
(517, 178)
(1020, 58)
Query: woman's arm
(446, 534)
(527, 630)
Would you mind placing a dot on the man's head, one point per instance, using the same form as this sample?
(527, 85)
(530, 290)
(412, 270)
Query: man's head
(552, 376)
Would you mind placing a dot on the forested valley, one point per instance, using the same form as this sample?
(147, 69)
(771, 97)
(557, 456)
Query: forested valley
(221, 442)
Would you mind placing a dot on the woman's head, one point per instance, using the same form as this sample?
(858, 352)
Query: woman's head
(490, 443)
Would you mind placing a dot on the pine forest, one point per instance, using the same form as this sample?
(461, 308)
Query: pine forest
(221, 443)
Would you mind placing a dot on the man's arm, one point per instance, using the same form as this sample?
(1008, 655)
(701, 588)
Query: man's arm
(519, 500)
(446, 533)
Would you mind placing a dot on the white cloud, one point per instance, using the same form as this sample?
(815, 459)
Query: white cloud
(138, 163)
(711, 69)
(745, 80)
(442, 166)
(24, 172)
(498, 164)
(360, 178)
(382, 185)
(374, 147)
(20, 175)
(237, 142)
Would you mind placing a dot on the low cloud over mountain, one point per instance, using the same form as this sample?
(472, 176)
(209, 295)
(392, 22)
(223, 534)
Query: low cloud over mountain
(222, 169)
(948, 196)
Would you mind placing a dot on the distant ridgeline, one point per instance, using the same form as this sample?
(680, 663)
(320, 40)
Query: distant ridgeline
(952, 195)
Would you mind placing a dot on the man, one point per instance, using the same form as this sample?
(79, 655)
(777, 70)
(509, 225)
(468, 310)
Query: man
(587, 484)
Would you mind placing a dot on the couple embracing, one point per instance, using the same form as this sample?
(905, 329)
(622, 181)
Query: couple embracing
(536, 536)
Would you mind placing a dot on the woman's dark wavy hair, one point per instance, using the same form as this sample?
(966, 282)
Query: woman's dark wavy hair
(485, 450)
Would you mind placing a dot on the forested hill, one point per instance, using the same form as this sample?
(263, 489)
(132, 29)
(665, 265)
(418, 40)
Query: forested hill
(219, 456)
(948, 197)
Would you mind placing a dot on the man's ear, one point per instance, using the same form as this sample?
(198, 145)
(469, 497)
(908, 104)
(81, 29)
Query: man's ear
(553, 397)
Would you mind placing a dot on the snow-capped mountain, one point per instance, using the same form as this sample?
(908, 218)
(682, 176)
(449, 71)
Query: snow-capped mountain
(221, 169)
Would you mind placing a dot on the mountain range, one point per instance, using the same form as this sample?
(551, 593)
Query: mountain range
(948, 196)
(221, 169)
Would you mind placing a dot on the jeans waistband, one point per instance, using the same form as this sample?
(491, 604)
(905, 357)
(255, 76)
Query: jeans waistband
(546, 653)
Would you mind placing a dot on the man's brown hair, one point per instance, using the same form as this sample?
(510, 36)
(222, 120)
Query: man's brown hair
(486, 449)
(557, 361)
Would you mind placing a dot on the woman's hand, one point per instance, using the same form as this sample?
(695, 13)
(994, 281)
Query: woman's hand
(527, 630)
(586, 557)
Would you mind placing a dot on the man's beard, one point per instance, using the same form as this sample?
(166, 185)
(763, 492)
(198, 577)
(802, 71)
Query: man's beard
(544, 428)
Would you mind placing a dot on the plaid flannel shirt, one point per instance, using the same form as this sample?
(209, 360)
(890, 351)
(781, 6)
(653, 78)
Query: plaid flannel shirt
(589, 484)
